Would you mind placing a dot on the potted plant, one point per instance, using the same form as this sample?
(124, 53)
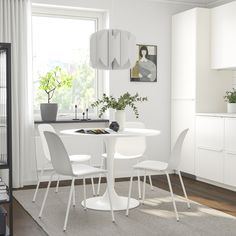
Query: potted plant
(119, 105)
(49, 82)
(230, 98)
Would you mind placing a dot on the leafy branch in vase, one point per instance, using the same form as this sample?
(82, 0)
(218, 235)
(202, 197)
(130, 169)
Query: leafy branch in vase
(119, 104)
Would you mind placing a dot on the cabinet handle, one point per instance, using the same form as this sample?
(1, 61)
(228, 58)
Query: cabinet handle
(211, 149)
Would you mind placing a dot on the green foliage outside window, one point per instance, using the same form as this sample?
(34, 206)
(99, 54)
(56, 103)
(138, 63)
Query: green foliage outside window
(81, 91)
(55, 79)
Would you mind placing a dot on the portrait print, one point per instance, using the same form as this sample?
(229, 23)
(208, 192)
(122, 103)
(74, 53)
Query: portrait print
(145, 69)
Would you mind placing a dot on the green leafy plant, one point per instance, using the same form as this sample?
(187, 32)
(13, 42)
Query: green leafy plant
(120, 103)
(55, 79)
(230, 96)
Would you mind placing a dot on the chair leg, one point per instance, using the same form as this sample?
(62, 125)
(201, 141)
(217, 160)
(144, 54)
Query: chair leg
(100, 176)
(84, 184)
(45, 196)
(130, 190)
(139, 184)
(74, 195)
(172, 196)
(150, 181)
(92, 182)
(110, 201)
(182, 184)
(94, 194)
(36, 191)
(58, 181)
(69, 203)
(144, 185)
(37, 187)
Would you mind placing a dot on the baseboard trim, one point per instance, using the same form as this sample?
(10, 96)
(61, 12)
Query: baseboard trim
(32, 183)
(66, 182)
(190, 176)
(232, 188)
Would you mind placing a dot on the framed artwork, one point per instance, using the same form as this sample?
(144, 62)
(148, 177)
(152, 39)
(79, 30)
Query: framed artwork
(145, 69)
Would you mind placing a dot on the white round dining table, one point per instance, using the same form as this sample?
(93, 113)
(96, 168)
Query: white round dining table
(118, 202)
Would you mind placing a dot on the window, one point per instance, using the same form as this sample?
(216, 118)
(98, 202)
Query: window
(61, 38)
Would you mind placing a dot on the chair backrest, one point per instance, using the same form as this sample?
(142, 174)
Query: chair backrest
(175, 156)
(134, 145)
(41, 129)
(59, 156)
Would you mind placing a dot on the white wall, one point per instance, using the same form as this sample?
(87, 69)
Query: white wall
(151, 23)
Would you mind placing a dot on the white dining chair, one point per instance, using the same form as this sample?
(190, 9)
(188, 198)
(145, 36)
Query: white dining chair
(62, 166)
(47, 161)
(129, 149)
(165, 167)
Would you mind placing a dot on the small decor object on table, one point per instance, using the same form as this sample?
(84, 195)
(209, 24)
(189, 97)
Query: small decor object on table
(145, 69)
(230, 98)
(52, 80)
(87, 118)
(119, 105)
(76, 113)
(114, 126)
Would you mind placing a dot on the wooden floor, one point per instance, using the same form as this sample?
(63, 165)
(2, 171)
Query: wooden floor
(212, 196)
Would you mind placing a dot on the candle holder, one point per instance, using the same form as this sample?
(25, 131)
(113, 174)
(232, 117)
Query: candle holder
(87, 114)
(76, 112)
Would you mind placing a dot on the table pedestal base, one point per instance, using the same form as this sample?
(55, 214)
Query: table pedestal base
(102, 203)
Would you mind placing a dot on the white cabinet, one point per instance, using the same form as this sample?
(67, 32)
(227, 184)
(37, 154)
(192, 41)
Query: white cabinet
(230, 169)
(209, 148)
(209, 164)
(184, 55)
(216, 149)
(195, 86)
(210, 133)
(230, 152)
(223, 36)
(230, 135)
(186, 107)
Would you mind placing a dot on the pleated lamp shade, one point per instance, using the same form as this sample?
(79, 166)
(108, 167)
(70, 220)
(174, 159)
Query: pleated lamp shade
(112, 50)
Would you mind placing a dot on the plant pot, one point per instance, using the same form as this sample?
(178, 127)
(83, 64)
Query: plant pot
(120, 119)
(48, 111)
(231, 107)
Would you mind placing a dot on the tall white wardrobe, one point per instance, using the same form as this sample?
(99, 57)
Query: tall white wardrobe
(196, 88)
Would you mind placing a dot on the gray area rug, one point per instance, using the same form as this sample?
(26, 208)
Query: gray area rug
(156, 217)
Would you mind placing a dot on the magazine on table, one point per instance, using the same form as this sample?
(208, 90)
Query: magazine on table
(92, 131)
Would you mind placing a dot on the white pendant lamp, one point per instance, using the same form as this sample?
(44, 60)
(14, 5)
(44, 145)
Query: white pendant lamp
(112, 49)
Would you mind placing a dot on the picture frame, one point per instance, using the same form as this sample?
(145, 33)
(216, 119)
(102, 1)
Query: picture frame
(145, 69)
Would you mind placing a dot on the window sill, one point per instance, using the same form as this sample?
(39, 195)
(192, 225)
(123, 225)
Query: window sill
(72, 121)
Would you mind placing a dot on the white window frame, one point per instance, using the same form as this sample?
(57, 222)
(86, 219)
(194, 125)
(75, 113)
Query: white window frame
(76, 13)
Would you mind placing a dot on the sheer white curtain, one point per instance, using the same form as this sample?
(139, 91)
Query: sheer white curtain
(15, 28)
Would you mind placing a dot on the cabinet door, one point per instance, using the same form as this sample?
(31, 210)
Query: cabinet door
(210, 133)
(209, 147)
(209, 164)
(182, 117)
(223, 34)
(184, 54)
(230, 169)
(230, 135)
